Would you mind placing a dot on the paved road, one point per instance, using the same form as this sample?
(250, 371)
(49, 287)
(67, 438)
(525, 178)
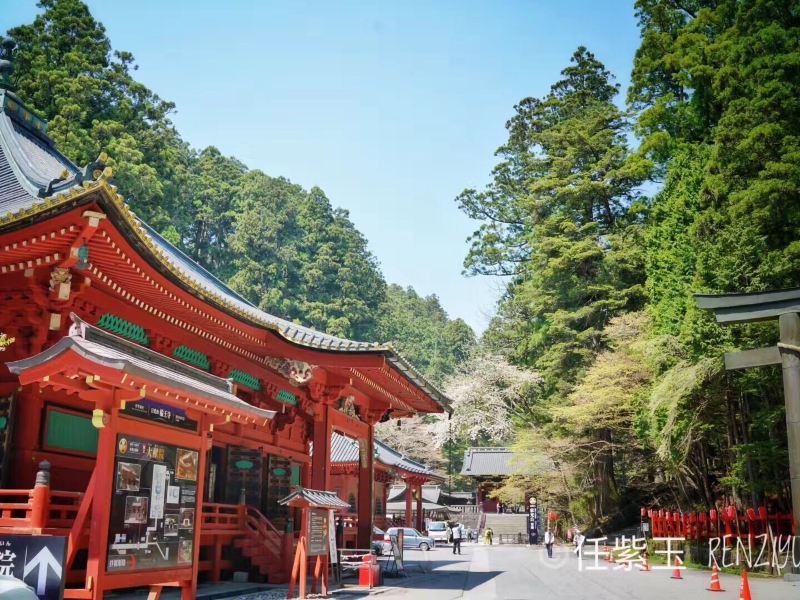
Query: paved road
(521, 573)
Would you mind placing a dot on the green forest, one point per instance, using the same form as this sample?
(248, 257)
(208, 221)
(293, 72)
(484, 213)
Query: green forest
(604, 214)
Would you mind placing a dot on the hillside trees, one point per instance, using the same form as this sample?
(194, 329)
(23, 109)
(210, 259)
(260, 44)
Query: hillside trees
(651, 413)
(715, 86)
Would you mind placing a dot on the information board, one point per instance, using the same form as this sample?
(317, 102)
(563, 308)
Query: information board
(153, 508)
(35, 560)
(397, 544)
(317, 532)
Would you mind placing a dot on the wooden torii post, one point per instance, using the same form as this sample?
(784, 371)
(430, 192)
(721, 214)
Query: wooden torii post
(783, 305)
(317, 508)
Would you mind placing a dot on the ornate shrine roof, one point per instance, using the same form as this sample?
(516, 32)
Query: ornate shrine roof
(345, 450)
(106, 349)
(37, 181)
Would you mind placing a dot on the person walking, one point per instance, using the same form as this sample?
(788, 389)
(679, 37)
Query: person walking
(579, 540)
(458, 534)
(549, 540)
(487, 535)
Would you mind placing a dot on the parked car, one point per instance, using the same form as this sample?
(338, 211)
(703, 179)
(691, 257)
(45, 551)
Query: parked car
(438, 531)
(411, 538)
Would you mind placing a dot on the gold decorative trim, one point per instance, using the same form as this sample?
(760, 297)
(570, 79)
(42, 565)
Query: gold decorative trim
(110, 192)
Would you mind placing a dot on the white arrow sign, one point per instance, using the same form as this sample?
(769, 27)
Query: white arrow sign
(42, 560)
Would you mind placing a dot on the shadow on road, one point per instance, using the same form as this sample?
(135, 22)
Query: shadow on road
(445, 580)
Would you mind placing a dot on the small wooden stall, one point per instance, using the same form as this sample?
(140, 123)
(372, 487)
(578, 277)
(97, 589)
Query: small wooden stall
(316, 536)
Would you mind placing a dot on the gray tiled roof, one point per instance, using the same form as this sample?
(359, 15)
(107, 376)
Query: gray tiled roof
(432, 498)
(317, 498)
(488, 461)
(115, 352)
(29, 162)
(345, 450)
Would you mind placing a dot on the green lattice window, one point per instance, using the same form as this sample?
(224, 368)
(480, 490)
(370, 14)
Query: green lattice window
(123, 328)
(287, 397)
(70, 431)
(191, 356)
(245, 379)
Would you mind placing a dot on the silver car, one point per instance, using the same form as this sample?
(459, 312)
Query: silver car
(411, 538)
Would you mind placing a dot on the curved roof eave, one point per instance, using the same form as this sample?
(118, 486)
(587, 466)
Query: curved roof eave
(36, 167)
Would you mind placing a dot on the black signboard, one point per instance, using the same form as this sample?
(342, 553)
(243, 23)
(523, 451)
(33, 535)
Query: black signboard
(534, 521)
(317, 532)
(37, 561)
(154, 504)
(160, 413)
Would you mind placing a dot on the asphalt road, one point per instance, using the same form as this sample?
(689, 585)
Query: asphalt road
(522, 573)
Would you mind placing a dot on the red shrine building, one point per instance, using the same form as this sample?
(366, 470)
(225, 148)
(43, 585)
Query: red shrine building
(150, 414)
(390, 466)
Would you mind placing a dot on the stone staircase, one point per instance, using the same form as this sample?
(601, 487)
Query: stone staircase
(507, 527)
(470, 520)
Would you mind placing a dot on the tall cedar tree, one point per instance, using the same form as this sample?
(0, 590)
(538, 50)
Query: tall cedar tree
(562, 218)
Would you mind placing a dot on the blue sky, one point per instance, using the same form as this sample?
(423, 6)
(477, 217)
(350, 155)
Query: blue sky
(392, 108)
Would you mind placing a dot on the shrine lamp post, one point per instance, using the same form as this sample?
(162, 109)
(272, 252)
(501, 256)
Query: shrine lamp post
(783, 305)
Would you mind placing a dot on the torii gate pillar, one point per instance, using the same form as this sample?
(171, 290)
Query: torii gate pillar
(790, 361)
(783, 305)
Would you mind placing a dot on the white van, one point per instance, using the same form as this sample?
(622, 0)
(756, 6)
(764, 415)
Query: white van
(438, 531)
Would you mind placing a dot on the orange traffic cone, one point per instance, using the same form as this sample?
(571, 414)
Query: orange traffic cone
(676, 572)
(645, 563)
(714, 586)
(744, 590)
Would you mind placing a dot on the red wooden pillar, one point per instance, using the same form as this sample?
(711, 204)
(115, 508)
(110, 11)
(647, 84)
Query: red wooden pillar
(101, 504)
(409, 521)
(420, 512)
(189, 591)
(385, 504)
(366, 483)
(321, 460)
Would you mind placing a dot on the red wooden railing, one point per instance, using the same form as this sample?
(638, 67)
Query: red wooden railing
(728, 521)
(28, 511)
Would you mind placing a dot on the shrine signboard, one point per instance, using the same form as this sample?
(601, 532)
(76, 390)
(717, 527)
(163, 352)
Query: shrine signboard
(153, 508)
(318, 543)
(159, 413)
